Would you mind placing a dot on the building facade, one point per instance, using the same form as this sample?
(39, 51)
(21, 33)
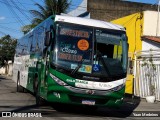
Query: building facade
(144, 42)
(109, 10)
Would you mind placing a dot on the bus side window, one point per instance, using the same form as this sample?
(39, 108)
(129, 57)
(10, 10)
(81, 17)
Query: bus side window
(40, 33)
(18, 50)
(30, 43)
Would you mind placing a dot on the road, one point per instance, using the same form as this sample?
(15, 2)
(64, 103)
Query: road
(24, 102)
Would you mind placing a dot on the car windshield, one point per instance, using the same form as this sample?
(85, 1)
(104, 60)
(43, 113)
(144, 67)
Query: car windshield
(93, 51)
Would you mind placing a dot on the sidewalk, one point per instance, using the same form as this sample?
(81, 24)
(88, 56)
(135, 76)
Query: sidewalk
(136, 108)
(141, 104)
(145, 106)
(139, 107)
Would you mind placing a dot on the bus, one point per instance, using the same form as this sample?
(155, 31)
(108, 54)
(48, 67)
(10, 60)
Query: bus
(73, 60)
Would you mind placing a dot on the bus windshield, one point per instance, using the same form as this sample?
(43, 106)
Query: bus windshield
(93, 51)
(110, 53)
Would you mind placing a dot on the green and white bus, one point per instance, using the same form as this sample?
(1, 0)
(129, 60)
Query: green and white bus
(73, 60)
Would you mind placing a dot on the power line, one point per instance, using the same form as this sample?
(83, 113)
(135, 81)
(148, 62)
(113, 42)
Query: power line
(22, 3)
(8, 34)
(13, 6)
(14, 13)
(20, 10)
(33, 1)
(12, 22)
(2, 33)
(10, 29)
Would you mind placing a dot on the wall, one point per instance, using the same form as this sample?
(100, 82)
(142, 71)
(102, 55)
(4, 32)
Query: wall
(2, 70)
(108, 10)
(150, 23)
(137, 25)
(10, 67)
(147, 45)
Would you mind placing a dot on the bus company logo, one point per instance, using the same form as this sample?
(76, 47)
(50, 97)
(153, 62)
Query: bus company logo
(91, 92)
(6, 114)
(10, 114)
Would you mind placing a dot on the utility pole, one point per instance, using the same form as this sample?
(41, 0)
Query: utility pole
(157, 30)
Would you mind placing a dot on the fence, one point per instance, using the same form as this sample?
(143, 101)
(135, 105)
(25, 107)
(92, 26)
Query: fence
(146, 75)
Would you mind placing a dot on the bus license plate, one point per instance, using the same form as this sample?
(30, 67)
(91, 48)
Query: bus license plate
(88, 102)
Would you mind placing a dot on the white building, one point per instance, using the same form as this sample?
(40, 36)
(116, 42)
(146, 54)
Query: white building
(151, 31)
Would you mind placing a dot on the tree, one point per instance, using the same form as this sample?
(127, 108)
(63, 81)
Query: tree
(7, 49)
(51, 7)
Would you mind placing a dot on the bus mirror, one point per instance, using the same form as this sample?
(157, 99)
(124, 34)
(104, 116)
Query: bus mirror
(48, 38)
(128, 46)
(53, 31)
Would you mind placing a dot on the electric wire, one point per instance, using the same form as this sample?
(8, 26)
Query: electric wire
(13, 22)
(2, 33)
(14, 13)
(18, 8)
(22, 3)
(33, 1)
(10, 29)
(13, 6)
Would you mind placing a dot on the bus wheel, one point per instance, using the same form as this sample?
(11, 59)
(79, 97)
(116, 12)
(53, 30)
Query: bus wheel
(19, 87)
(37, 96)
(35, 85)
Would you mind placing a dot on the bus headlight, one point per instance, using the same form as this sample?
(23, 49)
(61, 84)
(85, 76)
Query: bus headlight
(57, 80)
(118, 87)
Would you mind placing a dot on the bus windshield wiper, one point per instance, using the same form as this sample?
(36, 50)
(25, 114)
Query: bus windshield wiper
(99, 57)
(80, 63)
(77, 68)
(105, 66)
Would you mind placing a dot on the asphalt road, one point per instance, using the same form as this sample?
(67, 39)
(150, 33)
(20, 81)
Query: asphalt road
(24, 102)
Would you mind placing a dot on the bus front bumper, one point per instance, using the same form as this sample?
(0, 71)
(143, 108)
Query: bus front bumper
(78, 96)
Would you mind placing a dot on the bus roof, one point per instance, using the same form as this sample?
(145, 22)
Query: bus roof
(89, 22)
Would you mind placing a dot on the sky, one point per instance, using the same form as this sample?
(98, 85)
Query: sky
(144, 1)
(9, 10)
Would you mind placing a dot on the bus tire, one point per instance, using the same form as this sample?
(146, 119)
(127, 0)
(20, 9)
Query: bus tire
(37, 96)
(35, 84)
(19, 87)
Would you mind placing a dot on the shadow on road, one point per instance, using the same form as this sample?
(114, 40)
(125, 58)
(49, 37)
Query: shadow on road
(64, 110)
(61, 110)
(124, 111)
(1, 78)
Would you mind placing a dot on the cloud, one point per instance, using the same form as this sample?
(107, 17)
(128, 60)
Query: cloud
(2, 18)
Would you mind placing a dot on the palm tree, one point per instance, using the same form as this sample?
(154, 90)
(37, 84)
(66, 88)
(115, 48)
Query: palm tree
(50, 7)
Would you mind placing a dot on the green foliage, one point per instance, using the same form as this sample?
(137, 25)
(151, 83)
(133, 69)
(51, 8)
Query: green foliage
(7, 49)
(27, 28)
(51, 7)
